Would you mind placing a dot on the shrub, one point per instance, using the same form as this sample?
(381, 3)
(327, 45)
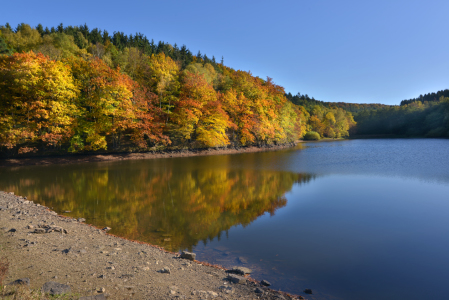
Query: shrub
(312, 135)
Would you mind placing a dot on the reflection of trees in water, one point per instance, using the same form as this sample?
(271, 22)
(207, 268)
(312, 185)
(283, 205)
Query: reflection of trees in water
(152, 205)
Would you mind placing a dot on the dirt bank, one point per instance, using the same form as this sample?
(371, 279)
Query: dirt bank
(42, 246)
(144, 155)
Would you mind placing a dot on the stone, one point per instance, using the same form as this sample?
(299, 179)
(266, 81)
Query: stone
(236, 279)
(101, 290)
(212, 294)
(265, 283)
(240, 270)
(102, 276)
(81, 220)
(188, 255)
(258, 291)
(55, 288)
(39, 230)
(111, 268)
(242, 260)
(165, 270)
(30, 227)
(172, 292)
(227, 289)
(96, 297)
(12, 230)
(22, 281)
(308, 291)
(202, 294)
(106, 229)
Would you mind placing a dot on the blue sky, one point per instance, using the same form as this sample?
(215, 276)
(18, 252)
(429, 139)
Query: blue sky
(350, 51)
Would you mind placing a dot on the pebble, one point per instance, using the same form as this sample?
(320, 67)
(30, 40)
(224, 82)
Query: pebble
(240, 270)
(22, 281)
(55, 288)
(188, 255)
(236, 279)
(227, 289)
(212, 294)
(242, 260)
(165, 270)
(265, 283)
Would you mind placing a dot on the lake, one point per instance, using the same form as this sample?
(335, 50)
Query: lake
(354, 219)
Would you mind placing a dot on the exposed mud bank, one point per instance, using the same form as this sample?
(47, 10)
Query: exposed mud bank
(143, 155)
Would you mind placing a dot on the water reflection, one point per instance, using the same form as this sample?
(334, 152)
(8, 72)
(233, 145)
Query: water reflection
(160, 202)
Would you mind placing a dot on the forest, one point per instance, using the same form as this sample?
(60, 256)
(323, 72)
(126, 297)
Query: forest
(413, 118)
(424, 116)
(75, 90)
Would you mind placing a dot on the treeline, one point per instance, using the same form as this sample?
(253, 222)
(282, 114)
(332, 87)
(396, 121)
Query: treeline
(309, 103)
(416, 119)
(84, 38)
(325, 118)
(430, 97)
(71, 89)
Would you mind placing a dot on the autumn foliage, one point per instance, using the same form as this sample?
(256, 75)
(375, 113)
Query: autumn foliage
(61, 91)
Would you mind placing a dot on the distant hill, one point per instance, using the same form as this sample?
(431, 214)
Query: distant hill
(430, 97)
(308, 103)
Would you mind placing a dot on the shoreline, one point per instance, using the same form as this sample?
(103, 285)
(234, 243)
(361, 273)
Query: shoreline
(83, 158)
(44, 246)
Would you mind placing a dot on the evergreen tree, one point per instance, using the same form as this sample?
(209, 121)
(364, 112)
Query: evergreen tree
(60, 28)
(40, 28)
(4, 48)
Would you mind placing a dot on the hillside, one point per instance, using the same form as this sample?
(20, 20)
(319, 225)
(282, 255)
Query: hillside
(424, 116)
(72, 89)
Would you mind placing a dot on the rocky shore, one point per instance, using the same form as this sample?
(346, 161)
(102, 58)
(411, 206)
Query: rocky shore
(66, 159)
(56, 254)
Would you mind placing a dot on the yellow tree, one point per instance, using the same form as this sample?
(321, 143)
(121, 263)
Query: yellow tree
(106, 99)
(38, 101)
(164, 80)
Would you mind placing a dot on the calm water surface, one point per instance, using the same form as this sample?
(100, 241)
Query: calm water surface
(362, 219)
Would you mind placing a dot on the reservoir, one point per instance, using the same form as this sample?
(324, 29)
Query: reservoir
(350, 219)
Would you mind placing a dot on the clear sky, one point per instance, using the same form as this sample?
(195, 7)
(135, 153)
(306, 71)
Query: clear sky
(352, 51)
